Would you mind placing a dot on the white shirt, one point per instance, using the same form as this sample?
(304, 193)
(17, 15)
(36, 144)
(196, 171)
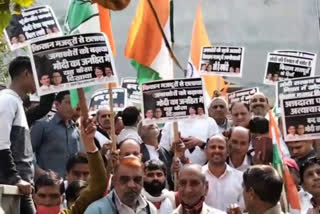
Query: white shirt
(167, 199)
(225, 190)
(153, 152)
(205, 210)
(200, 128)
(124, 209)
(244, 166)
(129, 132)
(305, 201)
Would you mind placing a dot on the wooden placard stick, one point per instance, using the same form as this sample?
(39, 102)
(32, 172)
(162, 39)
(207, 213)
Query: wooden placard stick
(176, 138)
(112, 115)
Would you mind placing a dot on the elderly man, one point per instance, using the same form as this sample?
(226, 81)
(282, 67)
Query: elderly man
(258, 180)
(239, 141)
(225, 182)
(192, 189)
(259, 104)
(218, 110)
(102, 135)
(126, 196)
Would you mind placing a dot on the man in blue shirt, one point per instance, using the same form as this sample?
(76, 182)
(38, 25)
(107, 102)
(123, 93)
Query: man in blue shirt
(55, 141)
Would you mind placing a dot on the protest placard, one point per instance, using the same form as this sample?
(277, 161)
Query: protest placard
(301, 118)
(283, 66)
(71, 62)
(133, 89)
(298, 53)
(172, 100)
(222, 60)
(100, 99)
(298, 87)
(243, 95)
(32, 25)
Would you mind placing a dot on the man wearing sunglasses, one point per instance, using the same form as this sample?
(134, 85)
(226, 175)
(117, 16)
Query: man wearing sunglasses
(126, 197)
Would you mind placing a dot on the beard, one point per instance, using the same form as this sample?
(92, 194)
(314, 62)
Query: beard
(154, 188)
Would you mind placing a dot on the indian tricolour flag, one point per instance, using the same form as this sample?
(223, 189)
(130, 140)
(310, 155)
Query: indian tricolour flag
(83, 16)
(200, 39)
(145, 44)
(292, 196)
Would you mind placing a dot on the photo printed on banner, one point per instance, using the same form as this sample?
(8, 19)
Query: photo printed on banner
(301, 118)
(222, 60)
(100, 99)
(71, 62)
(133, 89)
(173, 100)
(298, 87)
(282, 67)
(243, 95)
(33, 24)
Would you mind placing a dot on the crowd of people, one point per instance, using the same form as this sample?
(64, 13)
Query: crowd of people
(218, 164)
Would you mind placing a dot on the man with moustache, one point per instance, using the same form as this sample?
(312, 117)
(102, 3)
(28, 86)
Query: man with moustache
(218, 110)
(192, 190)
(102, 135)
(155, 187)
(126, 196)
(259, 104)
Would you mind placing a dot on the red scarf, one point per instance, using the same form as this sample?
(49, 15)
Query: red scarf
(196, 209)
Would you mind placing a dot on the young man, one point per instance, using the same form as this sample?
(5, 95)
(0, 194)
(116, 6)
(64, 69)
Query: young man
(16, 167)
(59, 138)
(155, 191)
(192, 189)
(301, 151)
(77, 168)
(126, 196)
(48, 194)
(130, 118)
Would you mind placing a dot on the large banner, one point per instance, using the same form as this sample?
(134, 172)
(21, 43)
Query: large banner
(31, 25)
(301, 118)
(133, 89)
(222, 60)
(72, 62)
(173, 99)
(100, 99)
(287, 65)
(298, 88)
(243, 95)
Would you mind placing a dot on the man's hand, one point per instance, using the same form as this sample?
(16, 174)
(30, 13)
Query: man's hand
(234, 209)
(24, 187)
(176, 165)
(106, 148)
(87, 131)
(191, 142)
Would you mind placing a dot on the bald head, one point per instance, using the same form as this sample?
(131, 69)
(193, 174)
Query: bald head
(129, 147)
(239, 141)
(259, 104)
(193, 169)
(216, 150)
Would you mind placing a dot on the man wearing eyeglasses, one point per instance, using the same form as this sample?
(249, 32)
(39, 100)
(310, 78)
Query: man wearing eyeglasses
(126, 197)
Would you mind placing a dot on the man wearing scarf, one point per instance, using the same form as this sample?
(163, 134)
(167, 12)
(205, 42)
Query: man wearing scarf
(192, 189)
(155, 187)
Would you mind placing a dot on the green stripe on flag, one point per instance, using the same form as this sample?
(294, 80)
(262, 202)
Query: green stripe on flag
(74, 96)
(144, 73)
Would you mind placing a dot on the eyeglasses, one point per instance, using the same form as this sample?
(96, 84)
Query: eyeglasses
(126, 179)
